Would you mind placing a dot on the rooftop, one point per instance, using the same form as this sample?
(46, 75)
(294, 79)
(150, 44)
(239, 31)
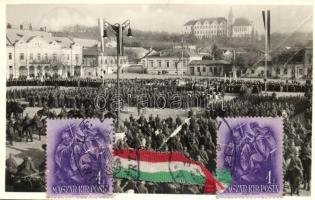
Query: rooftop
(14, 35)
(203, 20)
(108, 51)
(209, 62)
(242, 22)
(85, 42)
(170, 53)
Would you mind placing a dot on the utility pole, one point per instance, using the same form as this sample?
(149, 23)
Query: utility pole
(118, 30)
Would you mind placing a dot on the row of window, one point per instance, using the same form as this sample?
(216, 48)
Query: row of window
(112, 61)
(209, 26)
(39, 56)
(216, 70)
(88, 61)
(210, 32)
(241, 28)
(285, 71)
(168, 63)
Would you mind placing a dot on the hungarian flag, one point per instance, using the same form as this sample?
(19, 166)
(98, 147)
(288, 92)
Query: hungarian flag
(171, 167)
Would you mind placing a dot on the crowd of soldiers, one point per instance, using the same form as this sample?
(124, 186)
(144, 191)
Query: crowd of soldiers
(196, 139)
(230, 86)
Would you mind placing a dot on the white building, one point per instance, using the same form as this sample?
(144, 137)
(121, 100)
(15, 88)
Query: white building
(220, 27)
(37, 54)
(97, 63)
(169, 61)
(206, 27)
(242, 28)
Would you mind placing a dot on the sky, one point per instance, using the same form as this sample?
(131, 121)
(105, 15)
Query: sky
(158, 17)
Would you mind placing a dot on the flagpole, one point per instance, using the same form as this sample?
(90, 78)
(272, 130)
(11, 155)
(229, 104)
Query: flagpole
(266, 51)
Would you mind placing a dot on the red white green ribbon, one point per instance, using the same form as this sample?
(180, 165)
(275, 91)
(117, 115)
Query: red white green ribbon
(162, 167)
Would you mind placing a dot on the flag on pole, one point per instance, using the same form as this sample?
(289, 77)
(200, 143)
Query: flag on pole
(268, 28)
(266, 21)
(101, 28)
(166, 167)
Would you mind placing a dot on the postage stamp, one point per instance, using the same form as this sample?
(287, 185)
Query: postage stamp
(79, 158)
(251, 150)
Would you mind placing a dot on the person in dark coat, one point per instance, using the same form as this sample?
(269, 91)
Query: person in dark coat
(26, 168)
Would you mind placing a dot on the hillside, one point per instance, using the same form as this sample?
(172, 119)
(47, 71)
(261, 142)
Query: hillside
(161, 40)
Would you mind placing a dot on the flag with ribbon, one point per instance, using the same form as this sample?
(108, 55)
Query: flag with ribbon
(167, 167)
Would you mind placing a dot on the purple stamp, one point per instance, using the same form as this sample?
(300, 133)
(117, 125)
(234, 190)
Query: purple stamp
(250, 148)
(79, 158)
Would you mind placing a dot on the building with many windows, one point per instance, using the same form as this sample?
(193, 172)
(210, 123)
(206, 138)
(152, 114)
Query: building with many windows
(220, 27)
(169, 61)
(37, 54)
(297, 64)
(206, 27)
(97, 63)
(210, 68)
(242, 28)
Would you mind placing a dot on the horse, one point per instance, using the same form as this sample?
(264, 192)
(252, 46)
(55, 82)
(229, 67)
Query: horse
(37, 127)
(44, 112)
(16, 108)
(294, 177)
(306, 163)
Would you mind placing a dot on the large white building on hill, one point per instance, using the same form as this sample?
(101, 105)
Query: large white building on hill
(220, 27)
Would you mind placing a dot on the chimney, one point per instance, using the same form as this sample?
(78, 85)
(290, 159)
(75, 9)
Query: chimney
(21, 27)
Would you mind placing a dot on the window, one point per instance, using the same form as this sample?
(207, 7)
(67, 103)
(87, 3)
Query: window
(253, 71)
(21, 56)
(160, 63)
(54, 56)
(31, 56)
(285, 71)
(151, 63)
(198, 69)
(10, 56)
(77, 58)
(38, 56)
(278, 71)
(204, 69)
(167, 64)
(105, 61)
(101, 60)
(68, 57)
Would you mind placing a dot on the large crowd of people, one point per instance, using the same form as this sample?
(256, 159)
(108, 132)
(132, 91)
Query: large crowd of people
(196, 139)
(230, 86)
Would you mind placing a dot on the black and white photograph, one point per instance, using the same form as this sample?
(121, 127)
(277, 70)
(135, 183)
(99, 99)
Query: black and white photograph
(163, 73)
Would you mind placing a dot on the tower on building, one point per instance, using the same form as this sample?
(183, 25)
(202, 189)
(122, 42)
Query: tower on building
(230, 22)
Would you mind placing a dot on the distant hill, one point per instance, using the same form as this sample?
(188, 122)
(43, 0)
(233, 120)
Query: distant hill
(161, 40)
